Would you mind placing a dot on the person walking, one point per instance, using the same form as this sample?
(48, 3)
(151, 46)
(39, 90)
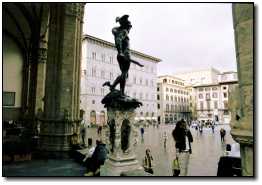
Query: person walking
(83, 134)
(142, 130)
(148, 162)
(213, 128)
(183, 139)
(165, 139)
(222, 134)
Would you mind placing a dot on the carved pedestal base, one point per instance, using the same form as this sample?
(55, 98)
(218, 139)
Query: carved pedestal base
(122, 133)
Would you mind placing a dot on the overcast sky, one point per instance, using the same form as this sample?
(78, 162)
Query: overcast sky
(184, 36)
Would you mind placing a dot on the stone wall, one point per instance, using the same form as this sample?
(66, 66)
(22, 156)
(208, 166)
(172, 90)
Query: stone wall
(242, 124)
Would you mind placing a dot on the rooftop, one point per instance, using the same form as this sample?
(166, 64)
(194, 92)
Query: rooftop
(111, 45)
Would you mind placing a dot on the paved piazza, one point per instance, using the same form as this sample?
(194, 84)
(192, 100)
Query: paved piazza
(207, 149)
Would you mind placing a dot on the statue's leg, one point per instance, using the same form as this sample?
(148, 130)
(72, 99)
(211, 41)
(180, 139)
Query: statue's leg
(123, 82)
(117, 81)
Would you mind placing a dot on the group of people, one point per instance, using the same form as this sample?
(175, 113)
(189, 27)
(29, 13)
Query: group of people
(183, 139)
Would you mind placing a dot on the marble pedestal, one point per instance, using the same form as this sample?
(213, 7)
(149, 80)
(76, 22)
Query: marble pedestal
(121, 159)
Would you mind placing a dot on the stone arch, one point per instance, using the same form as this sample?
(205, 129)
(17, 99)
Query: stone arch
(93, 117)
(125, 134)
(102, 117)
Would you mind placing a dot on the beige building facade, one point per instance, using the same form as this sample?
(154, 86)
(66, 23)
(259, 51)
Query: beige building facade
(172, 99)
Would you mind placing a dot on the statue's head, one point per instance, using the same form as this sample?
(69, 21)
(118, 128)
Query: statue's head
(124, 22)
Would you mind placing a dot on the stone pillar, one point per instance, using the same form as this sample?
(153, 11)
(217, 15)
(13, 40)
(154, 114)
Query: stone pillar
(242, 121)
(60, 127)
(122, 158)
(42, 58)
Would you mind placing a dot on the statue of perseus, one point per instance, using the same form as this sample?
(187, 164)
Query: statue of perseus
(123, 53)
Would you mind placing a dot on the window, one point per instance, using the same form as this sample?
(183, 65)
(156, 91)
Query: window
(94, 55)
(167, 107)
(225, 95)
(111, 76)
(167, 89)
(201, 105)
(171, 90)
(146, 82)
(208, 96)
(158, 89)
(141, 113)
(102, 74)
(175, 99)
(171, 98)
(208, 105)
(134, 80)
(102, 91)
(9, 99)
(141, 81)
(158, 97)
(111, 60)
(158, 106)
(172, 108)
(103, 57)
(214, 95)
(167, 97)
(224, 87)
(215, 104)
(200, 96)
(93, 72)
(207, 89)
(93, 90)
(214, 88)
(201, 89)
(93, 101)
(141, 96)
(165, 80)
(84, 72)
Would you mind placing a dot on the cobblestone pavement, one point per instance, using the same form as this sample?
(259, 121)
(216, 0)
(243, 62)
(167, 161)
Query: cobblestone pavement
(207, 149)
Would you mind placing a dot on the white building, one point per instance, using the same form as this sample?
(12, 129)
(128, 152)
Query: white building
(211, 92)
(99, 64)
(199, 77)
(172, 99)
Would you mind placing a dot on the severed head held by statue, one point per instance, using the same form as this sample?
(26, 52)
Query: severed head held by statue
(123, 53)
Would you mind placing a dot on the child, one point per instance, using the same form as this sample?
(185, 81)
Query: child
(147, 163)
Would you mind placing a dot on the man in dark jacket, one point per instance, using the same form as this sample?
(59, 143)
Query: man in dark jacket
(183, 139)
(99, 156)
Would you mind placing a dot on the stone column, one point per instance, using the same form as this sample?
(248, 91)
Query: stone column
(122, 158)
(242, 121)
(60, 123)
(42, 58)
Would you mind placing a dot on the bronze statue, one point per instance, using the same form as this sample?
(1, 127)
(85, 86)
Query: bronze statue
(123, 56)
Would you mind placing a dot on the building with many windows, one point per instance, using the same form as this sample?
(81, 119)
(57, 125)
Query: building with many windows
(208, 99)
(99, 64)
(172, 99)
